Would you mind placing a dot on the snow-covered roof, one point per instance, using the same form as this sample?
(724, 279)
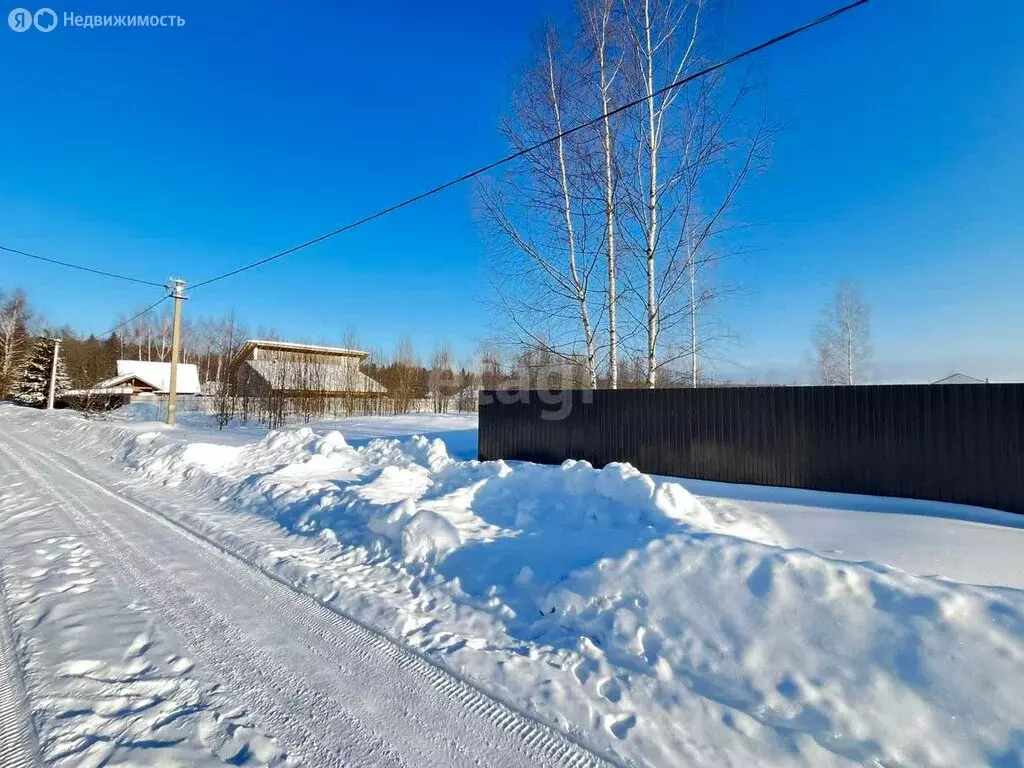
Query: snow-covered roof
(959, 378)
(116, 381)
(299, 347)
(322, 377)
(158, 375)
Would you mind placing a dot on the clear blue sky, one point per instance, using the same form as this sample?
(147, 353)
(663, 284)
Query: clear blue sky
(193, 150)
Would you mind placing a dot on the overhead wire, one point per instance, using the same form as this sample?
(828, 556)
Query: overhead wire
(80, 267)
(135, 317)
(526, 150)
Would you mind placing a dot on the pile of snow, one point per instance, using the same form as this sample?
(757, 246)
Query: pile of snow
(411, 497)
(620, 606)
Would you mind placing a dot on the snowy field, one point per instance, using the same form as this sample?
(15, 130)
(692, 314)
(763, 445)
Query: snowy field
(364, 593)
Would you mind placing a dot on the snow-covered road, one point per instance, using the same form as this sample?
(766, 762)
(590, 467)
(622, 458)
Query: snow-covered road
(142, 641)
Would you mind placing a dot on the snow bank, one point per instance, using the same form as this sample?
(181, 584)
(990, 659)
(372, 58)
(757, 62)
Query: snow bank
(873, 664)
(423, 505)
(667, 630)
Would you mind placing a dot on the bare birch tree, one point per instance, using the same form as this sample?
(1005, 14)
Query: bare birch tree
(842, 339)
(231, 386)
(442, 384)
(138, 333)
(405, 364)
(600, 29)
(694, 148)
(351, 377)
(14, 338)
(160, 328)
(467, 386)
(542, 216)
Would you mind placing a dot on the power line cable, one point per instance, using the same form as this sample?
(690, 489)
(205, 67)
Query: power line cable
(515, 155)
(80, 267)
(150, 308)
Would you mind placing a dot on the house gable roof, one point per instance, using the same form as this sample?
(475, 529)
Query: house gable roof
(117, 381)
(291, 346)
(959, 378)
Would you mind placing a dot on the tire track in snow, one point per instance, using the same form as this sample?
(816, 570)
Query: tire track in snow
(534, 743)
(291, 710)
(18, 740)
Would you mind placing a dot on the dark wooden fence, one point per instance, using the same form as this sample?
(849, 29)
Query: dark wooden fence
(958, 443)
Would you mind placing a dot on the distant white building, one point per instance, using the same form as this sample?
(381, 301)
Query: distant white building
(149, 378)
(136, 381)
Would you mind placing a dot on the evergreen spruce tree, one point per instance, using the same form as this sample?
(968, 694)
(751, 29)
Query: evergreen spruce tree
(33, 383)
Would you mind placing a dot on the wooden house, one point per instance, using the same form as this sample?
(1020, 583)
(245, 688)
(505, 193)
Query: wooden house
(292, 369)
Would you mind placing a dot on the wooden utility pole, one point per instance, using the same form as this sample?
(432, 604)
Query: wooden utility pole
(53, 375)
(177, 293)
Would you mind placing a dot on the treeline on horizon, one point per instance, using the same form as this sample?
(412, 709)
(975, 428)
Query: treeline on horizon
(211, 342)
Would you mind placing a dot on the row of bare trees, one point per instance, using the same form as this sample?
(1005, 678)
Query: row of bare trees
(301, 392)
(307, 390)
(604, 241)
(208, 342)
(212, 342)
